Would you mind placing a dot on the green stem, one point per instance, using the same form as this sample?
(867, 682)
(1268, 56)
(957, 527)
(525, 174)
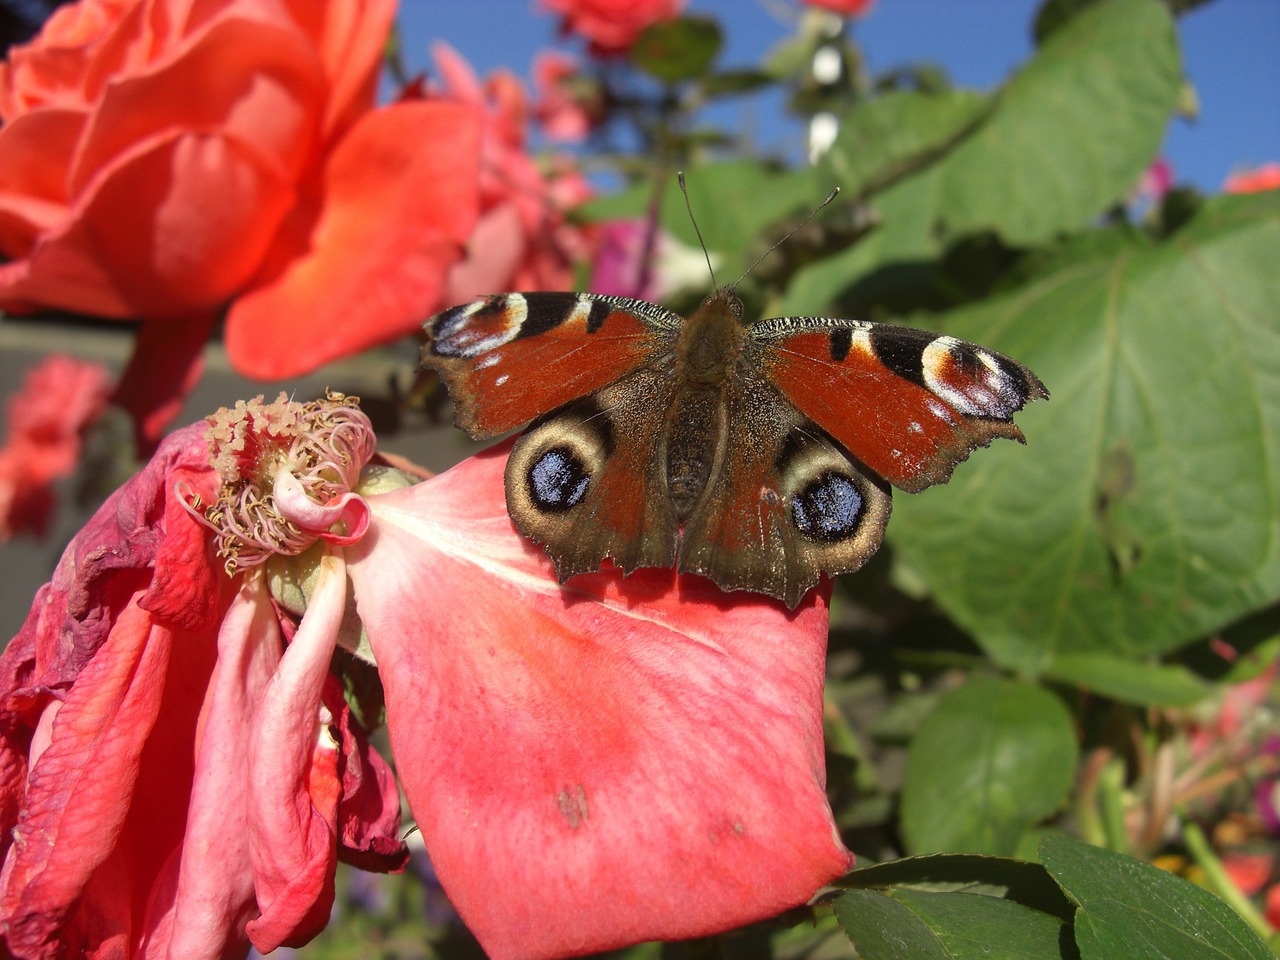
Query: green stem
(1201, 851)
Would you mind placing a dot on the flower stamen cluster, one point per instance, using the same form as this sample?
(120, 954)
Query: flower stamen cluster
(288, 470)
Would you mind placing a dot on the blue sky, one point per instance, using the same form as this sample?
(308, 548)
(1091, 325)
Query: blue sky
(1231, 50)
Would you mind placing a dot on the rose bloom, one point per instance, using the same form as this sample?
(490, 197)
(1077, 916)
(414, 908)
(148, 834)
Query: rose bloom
(166, 160)
(612, 26)
(523, 240)
(594, 765)
(1265, 177)
(846, 8)
(568, 105)
(59, 397)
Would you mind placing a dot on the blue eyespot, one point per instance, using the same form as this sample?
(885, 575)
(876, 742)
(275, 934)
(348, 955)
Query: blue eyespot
(828, 509)
(558, 480)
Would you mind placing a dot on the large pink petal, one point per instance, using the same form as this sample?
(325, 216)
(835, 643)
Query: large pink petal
(293, 766)
(364, 261)
(213, 895)
(80, 790)
(615, 761)
(144, 238)
(259, 84)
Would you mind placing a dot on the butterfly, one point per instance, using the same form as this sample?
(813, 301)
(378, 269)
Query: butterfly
(758, 454)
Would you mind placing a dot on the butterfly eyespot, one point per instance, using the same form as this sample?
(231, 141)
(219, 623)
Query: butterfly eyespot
(558, 480)
(828, 509)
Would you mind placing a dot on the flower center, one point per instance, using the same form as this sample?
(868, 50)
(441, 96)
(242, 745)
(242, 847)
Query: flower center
(288, 470)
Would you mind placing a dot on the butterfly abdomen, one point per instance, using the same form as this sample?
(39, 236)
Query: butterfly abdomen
(707, 351)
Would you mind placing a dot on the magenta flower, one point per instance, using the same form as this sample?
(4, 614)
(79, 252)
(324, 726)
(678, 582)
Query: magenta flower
(591, 766)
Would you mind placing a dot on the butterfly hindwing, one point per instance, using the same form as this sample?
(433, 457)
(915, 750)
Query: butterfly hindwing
(784, 504)
(909, 404)
(515, 356)
(587, 481)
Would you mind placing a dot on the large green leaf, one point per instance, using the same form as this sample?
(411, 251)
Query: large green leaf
(1073, 130)
(1068, 136)
(993, 758)
(1130, 910)
(885, 137)
(914, 925)
(898, 252)
(1146, 509)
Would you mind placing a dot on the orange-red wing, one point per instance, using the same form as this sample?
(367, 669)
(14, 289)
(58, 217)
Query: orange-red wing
(909, 404)
(513, 356)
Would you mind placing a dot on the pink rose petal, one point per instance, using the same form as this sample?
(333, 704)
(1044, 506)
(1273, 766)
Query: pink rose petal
(615, 761)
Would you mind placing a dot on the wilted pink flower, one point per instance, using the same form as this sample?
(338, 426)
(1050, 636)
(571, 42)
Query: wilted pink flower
(58, 399)
(612, 26)
(523, 240)
(1265, 177)
(561, 747)
(177, 782)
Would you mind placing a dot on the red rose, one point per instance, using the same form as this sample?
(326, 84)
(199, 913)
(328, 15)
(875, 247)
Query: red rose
(612, 25)
(1265, 177)
(846, 8)
(523, 239)
(162, 160)
(46, 416)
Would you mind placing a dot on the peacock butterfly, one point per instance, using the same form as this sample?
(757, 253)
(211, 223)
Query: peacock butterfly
(759, 455)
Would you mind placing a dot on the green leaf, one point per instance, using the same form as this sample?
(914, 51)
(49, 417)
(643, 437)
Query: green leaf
(904, 240)
(1145, 510)
(1074, 129)
(1130, 910)
(1130, 681)
(729, 83)
(913, 925)
(1068, 135)
(883, 138)
(1026, 883)
(995, 757)
(676, 50)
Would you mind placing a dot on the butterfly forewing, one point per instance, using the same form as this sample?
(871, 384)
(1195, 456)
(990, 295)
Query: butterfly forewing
(514, 356)
(907, 403)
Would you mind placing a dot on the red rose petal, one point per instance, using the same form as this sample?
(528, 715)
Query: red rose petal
(616, 761)
(397, 202)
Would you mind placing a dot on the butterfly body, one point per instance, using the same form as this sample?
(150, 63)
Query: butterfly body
(759, 455)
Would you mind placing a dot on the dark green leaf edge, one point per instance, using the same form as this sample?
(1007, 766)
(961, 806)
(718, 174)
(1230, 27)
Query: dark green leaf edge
(1022, 882)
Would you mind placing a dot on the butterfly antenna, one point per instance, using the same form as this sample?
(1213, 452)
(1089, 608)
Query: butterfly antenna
(688, 206)
(790, 233)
